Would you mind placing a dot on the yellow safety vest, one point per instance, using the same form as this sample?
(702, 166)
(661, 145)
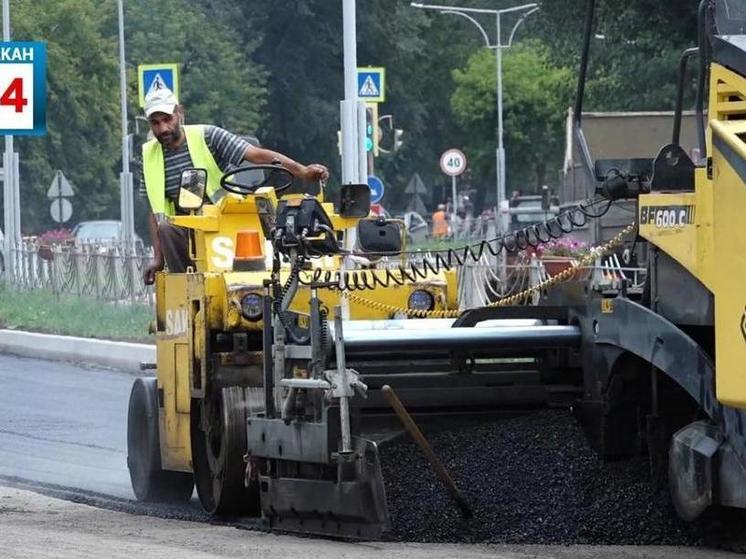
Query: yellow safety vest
(154, 169)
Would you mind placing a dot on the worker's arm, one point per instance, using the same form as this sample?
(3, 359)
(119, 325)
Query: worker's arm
(261, 156)
(148, 274)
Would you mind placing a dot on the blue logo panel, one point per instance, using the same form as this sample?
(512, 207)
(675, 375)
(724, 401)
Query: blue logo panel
(23, 88)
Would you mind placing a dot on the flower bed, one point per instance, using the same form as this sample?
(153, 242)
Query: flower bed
(560, 254)
(563, 247)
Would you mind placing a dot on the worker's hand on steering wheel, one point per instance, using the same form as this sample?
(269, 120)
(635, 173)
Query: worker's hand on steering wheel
(315, 172)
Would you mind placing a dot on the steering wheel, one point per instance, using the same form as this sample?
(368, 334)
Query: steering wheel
(277, 176)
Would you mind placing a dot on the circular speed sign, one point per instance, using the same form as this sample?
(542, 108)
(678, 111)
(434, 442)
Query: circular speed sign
(453, 162)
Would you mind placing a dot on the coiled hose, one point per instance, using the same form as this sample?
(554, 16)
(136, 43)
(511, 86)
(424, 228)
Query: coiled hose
(531, 236)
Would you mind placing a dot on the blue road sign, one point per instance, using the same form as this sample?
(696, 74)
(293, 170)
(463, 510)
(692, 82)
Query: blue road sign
(371, 84)
(23, 88)
(376, 189)
(157, 76)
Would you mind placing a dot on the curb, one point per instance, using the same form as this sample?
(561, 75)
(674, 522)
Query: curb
(123, 356)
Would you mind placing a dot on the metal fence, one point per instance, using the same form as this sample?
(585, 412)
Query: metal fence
(484, 282)
(114, 273)
(107, 272)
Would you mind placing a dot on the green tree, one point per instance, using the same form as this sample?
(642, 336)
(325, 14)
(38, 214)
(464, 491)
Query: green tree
(536, 96)
(82, 108)
(220, 83)
(276, 69)
(419, 49)
(302, 49)
(634, 53)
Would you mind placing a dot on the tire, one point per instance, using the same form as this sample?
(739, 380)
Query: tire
(218, 455)
(150, 482)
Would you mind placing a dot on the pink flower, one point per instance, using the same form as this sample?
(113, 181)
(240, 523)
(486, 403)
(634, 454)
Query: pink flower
(564, 246)
(55, 236)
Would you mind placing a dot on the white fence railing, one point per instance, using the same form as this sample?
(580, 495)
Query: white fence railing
(484, 282)
(114, 273)
(108, 272)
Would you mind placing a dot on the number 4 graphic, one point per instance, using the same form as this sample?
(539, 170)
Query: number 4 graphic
(13, 96)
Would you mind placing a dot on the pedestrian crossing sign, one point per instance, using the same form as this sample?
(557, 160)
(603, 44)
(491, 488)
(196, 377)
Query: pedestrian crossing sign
(157, 76)
(371, 84)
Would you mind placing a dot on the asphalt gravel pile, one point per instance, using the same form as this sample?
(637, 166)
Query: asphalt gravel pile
(529, 479)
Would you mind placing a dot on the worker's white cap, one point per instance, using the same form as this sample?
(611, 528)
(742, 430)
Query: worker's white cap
(160, 100)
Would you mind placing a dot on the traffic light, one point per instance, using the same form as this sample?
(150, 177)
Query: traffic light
(398, 133)
(371, 128)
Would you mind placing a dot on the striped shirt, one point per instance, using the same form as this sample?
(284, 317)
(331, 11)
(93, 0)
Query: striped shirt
(227, 149)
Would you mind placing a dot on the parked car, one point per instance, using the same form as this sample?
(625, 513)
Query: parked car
(417, 228)
(528, 211)
(103, 233)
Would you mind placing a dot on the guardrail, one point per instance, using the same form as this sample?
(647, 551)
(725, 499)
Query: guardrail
(114, 273)
(108, 272)
(484, 282)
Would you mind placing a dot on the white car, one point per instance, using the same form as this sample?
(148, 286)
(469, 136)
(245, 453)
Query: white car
(103, 233)
(417, 228)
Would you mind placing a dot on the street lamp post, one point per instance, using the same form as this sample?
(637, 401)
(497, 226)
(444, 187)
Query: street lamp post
(11, 190)
(497, 46)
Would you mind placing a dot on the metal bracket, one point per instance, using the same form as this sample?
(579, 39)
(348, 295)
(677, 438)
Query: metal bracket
(305, 383)
(347, 384)
(298, 352)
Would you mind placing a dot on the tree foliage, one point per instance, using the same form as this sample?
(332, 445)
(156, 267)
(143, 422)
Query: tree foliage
(220, 82)
(536, 95)
(82, 108)
(276, 70)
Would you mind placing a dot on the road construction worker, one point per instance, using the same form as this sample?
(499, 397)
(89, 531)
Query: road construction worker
(176, 147)
(440, 222)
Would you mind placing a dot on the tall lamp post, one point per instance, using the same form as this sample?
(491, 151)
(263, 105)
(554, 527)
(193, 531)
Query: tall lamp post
(498, 45)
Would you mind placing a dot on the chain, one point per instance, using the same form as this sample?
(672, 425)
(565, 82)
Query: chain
(587, 259)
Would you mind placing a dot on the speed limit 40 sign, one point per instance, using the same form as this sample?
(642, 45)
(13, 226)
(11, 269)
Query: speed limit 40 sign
(23, 85)
(453, 162)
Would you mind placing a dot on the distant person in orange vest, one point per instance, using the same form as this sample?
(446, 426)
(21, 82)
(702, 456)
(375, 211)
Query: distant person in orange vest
(440, 223)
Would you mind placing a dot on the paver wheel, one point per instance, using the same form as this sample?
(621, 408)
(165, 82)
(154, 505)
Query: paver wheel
(149, 481)
(218, 449)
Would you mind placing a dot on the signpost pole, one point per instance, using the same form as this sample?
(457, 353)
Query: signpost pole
(453, 197)
(453, 163)
(59, 198)
(349, 119)
(9, 191)
(125, 179)
(500, 159)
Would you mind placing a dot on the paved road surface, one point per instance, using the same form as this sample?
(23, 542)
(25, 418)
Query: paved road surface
(64, 425)
(34, 526)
